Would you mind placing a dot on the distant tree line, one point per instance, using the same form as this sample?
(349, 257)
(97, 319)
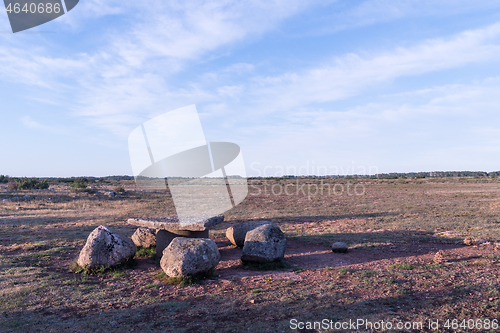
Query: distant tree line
(396, 175)
(24, 183)
(82, 182)
(438, 174)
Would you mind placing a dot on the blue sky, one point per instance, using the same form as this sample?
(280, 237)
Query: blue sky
(305, 87)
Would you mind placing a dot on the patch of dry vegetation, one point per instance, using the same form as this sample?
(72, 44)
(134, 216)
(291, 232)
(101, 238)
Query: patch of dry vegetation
(398, 224)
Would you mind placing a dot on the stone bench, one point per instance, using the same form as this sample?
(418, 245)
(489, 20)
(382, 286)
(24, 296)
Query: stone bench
(167, 228)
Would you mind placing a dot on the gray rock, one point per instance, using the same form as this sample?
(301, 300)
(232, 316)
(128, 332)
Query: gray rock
(189, 256)
(266, 243)
(188, 222)
(144, 237)
(105, 247)
(339, 247)
(237, 233)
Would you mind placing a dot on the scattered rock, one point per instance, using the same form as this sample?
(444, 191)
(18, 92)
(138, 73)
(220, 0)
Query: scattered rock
(237, 233)
(145, 237)
(469, 241)
(439, 257)
(111, 194)
(339, 247)
(189, 256)
(105, 247)
(266, 243)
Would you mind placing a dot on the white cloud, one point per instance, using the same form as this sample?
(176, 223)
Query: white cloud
(450, 127)
(352, 74)
(28, 122)
(361, 14)
(127, 78)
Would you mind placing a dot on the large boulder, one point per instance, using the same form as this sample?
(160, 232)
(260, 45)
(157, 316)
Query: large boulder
(189, 256)
(105, 247)
(237, 233)
(145, 237)
(264, 244)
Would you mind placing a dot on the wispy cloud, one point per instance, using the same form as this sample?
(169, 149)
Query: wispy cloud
(344, 15)
(127, 77)
(28, 122)
(447, 127)
(351, 74)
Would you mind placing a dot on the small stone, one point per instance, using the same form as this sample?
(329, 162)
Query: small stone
(339, 247)
(145, 237)
(237, 233)
(252, 301)
(266, 243)
(439, 257)
(189, 256)
(469, 241)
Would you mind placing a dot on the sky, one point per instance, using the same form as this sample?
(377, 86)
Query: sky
(303, 87)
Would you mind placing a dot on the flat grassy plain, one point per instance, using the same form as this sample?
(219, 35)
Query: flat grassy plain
(394, 227)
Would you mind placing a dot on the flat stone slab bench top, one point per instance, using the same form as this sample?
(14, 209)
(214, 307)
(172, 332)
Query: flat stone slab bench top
(199, 223)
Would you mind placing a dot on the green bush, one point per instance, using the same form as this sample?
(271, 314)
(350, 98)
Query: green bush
(79, 183)
(65, 180)
(31, 183)
(4, 179)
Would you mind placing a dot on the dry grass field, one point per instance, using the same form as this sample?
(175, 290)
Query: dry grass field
(394, 228)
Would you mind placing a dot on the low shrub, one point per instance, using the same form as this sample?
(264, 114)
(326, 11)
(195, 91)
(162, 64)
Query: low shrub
(119, 189)
(31, 183)
(12, 186)
(79, 183)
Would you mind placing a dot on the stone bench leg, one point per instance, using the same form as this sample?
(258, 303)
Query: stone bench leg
(164, 237)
